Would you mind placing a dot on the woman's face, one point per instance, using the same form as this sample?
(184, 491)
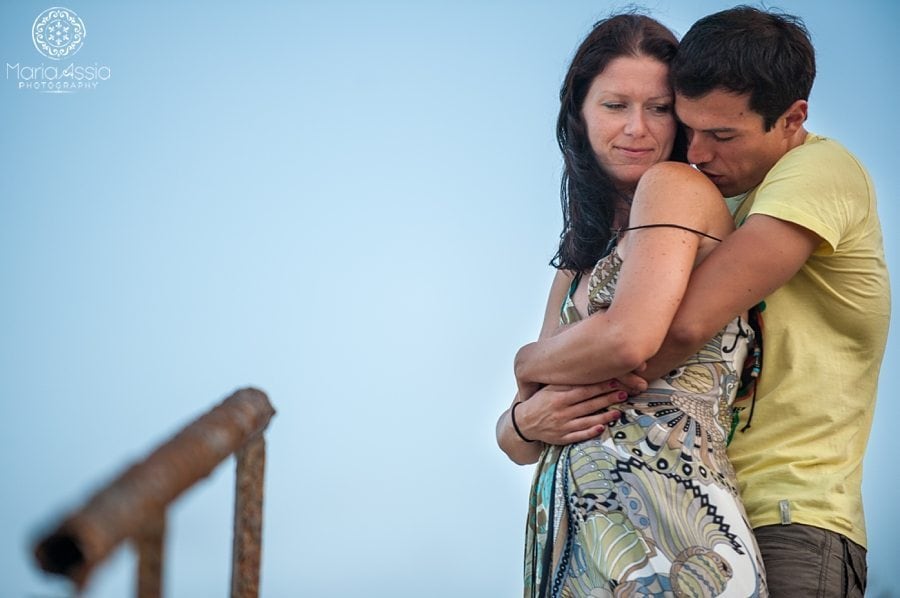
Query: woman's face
(629, 118)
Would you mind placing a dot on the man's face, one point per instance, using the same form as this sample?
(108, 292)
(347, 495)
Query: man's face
(727, 141)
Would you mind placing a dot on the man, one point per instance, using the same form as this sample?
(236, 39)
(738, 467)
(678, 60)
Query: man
(809, 244)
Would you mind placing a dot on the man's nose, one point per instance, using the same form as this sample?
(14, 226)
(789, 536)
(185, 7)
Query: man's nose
(698, 151)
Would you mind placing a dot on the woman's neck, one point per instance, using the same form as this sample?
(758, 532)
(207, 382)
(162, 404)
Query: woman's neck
(620, 213)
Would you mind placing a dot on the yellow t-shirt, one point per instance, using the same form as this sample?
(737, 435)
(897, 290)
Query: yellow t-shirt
(824, 334)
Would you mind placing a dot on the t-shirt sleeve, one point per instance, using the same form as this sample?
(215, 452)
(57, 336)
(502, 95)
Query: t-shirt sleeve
(819, 186)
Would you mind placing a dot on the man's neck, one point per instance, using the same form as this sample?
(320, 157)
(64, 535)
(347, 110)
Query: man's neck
(797, 139)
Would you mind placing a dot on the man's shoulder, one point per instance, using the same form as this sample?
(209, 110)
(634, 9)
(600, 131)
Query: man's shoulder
(820, 165)
(819, 186)
(820, 151)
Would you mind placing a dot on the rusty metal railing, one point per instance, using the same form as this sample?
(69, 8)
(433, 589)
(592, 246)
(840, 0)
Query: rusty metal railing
(134, 505)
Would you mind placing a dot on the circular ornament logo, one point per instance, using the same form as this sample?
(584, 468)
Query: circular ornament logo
(58, 33)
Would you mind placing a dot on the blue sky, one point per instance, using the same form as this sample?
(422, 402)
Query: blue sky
(350, 205)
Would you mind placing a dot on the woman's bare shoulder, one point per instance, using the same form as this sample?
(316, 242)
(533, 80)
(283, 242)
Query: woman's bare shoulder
(677, 193)
(678, 176)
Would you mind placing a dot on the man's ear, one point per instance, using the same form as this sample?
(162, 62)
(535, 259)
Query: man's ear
(794, 117)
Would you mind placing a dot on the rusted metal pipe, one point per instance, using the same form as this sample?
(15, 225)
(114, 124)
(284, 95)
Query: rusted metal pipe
(149, 546)
(248, 503)
(121, 509)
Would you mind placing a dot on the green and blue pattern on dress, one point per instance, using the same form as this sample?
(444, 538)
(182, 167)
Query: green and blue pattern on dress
(650, 507)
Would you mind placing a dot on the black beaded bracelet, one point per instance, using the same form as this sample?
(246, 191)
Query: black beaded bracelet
(512, 414)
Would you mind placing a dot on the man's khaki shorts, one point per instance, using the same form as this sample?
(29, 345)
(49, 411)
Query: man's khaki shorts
(807, 561)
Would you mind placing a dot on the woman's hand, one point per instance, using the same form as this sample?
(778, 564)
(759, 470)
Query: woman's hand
(567, 414)
(559, 415)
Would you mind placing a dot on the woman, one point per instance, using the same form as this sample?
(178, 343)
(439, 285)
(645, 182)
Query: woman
(646, 504)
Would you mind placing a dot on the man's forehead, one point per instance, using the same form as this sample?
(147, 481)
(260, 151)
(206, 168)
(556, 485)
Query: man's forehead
(715, 111)
(719, 94)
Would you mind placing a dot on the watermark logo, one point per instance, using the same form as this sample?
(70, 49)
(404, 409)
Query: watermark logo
(58, 33)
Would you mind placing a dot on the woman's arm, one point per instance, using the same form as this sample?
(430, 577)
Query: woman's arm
(556, 415)
(510, 442)
(656, 268)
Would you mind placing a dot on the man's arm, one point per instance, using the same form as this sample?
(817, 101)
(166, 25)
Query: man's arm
(750, 264)
(656, 267)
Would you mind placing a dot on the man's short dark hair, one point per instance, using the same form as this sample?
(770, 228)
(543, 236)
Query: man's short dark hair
(747, 50)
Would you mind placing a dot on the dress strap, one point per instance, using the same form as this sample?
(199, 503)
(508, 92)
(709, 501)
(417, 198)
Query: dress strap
(568, 313)
(575, 280)
(687, 228)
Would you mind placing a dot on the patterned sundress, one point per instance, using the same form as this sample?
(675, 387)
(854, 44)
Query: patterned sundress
(651, 506)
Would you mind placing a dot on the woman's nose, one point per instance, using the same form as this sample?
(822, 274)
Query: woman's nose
(636, 124)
